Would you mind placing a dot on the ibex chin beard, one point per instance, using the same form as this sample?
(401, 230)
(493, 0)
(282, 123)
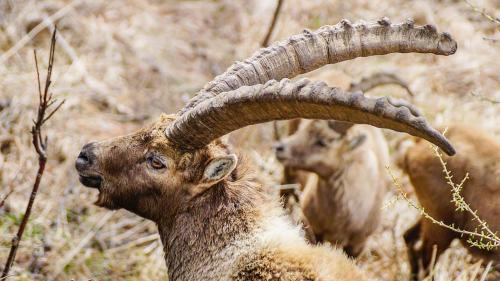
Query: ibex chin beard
(91, 181)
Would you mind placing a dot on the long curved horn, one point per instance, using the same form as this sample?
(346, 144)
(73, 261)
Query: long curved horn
(377, 80)
(364, 85)
(286, 99)
(328, 45)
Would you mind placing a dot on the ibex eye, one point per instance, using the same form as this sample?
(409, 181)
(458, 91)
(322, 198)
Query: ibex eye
(320, 143)
(155, 162)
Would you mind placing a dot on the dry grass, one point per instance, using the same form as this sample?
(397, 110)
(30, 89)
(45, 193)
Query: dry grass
(121, 62)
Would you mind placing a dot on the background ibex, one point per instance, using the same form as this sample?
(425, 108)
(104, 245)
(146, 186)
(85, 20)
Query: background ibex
(479, 156)
(344, 207)
(215, 222)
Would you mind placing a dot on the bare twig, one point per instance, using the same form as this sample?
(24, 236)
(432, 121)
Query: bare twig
(379, 79)
(37, 29)
(11, 189)
(40, 143)
(482, 237)
(476, 9)
(483, 98)
(486, 271)
(270, 30)
(395, 251)
(492, 40)
(100, 90)
(264, 43)
(432, 265)
(135, 242)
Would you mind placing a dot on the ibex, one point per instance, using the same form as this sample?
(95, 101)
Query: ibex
(343, 206)
(215, 221)
(479, 156)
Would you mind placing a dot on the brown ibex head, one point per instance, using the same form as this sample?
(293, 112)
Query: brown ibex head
(158, 170)
(138, 171)
(318, 146)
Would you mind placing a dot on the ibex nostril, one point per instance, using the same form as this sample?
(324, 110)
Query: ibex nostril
(85, 158)
(82, 161)
(279, 147)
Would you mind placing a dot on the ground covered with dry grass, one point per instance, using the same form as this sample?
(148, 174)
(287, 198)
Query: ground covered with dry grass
(119, 64)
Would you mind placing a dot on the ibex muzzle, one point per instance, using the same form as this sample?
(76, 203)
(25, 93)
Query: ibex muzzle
(85, 164)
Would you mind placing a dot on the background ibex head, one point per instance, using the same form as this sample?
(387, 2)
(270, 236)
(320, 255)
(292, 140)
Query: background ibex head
(156, 171)
(318, 146)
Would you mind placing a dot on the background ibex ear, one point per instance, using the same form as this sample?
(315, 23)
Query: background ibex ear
(340, 127)
(355, 142)
(216, 170)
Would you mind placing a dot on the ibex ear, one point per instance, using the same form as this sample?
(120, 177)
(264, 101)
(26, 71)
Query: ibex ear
(340, 127)
(219, 168)
(356, 142)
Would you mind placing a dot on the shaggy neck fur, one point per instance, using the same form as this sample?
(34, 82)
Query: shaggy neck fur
(203, 242)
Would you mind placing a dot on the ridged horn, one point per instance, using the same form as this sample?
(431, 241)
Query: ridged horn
(328, 45)
(286, 99)
(377, 80)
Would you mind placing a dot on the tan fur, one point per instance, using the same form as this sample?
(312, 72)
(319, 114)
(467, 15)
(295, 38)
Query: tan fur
(232, 230)
(343, 208)
(479, 155)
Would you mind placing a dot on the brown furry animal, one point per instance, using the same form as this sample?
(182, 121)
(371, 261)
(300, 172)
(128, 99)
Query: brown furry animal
(344, 206)
(215, 221)
(479, 155)
(295, 180)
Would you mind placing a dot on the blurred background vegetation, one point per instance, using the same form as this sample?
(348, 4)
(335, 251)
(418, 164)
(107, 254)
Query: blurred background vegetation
(119, 64)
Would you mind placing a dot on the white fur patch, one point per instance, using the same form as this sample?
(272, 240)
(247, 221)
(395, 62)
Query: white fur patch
(276, 229)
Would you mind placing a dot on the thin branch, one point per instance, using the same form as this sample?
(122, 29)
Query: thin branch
(476, 237)
(37, 29)
(53, 111)
(483, 98)
(486, 271)
(38, 78)
(11, 189)
(492, 40)
(461, 205)
(270, 30)
(40, 145)
(491, 18)
(265, 43)
(403, 195)
(377, 80)
(432, 265)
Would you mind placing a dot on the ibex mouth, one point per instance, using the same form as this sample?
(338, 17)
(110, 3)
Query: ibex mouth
(91, 181)
(281, 158)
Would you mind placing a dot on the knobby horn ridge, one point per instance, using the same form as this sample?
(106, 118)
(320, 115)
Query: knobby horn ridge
(328, 45)
(287, 99)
